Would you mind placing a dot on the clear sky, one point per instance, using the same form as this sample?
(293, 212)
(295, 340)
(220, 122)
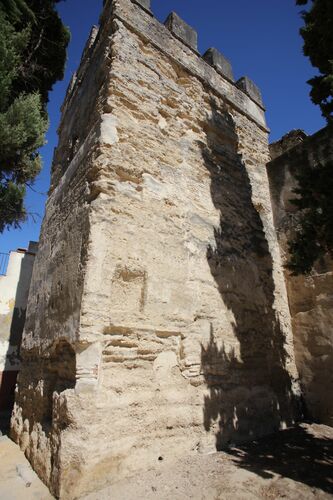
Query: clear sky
(260, 38)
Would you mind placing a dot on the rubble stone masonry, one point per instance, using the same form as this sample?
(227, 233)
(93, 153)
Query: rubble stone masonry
(310, 297)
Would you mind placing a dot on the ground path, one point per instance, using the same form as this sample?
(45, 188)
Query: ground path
(295, 464)
(17, 479)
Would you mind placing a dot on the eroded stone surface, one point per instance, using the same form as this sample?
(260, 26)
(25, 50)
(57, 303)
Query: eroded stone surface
(158, 323)
(310, 298)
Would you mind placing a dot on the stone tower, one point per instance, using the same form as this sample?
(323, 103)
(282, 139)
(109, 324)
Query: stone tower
(157, 322)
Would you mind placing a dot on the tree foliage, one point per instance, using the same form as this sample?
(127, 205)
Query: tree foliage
(314, 229)
(33, 44)
(317, 34)
(313, 235)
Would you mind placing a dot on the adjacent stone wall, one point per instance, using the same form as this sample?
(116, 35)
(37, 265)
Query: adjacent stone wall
(310, 298)
(14, 289)
(158, 322)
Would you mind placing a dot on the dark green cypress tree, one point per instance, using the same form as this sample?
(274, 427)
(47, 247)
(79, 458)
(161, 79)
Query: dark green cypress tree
(317, 34)
(313, 236)
(313, 233)
(33, 44)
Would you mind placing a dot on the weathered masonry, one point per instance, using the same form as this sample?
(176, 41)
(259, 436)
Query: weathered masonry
(158, 322)
(311, 297)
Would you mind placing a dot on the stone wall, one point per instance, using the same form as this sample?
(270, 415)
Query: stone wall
(14, 289)
(310, 298)
(158, 323)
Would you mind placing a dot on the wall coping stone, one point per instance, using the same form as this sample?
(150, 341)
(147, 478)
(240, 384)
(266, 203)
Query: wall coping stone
(181, 30)
(219, 62)
(251, 89)
(145, 4)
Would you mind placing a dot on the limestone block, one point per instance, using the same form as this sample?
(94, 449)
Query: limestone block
(250, 88)
(143, 3)
(182, 30)
(216, 59)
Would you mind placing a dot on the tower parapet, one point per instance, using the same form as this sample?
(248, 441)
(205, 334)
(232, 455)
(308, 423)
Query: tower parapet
(179, 41)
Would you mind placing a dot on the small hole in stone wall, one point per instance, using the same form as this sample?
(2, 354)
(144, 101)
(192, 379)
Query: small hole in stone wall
(160, 458)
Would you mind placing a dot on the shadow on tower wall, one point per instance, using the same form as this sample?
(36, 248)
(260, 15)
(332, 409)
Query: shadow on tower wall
(250, 394)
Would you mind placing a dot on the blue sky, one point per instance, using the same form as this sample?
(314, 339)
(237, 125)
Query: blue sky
(260, 38)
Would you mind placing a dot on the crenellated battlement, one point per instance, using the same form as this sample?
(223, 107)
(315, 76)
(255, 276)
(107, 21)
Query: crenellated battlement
(186, 34)
(179, 41)
(189, 37)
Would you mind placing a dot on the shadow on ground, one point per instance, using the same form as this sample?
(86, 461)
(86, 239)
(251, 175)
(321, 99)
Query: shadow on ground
(298, 454)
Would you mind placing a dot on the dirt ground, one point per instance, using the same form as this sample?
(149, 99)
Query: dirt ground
(292, 465)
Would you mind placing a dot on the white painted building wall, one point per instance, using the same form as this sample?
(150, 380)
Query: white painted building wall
(14, 291)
